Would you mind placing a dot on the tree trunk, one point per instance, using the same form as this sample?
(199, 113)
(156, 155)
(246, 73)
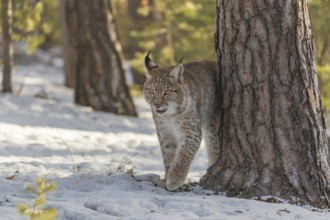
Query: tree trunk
(95, 57)
(273, 137)
(325, 46)
(7, 45)
(69, 77)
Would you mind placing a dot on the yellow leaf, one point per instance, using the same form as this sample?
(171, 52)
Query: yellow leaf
(52, 186)
(50, 214)
(23, 209)
(40, 200)
(29, 188)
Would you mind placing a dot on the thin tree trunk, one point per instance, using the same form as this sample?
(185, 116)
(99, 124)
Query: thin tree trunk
(170, 44)
(137, 23)
(273, 138)
(7, 45)
(95, 57)
(324, 49)
(69, 77)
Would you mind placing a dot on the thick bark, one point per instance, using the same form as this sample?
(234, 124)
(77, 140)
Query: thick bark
(7, 45)
(95, 57)
(273, 138)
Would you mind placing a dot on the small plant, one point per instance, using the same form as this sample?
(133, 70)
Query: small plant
(125, 166)
(38, 211)
(78, 167)
(187, 187)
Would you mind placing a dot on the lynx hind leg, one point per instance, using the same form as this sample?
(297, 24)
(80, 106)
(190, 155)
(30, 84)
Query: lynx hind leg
(212, 142)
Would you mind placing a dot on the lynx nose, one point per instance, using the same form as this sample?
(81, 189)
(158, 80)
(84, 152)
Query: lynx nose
(157, 105)
(158, 108)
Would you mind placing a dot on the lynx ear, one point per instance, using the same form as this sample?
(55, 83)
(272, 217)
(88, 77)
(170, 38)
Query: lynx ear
(148, 64)
(177, 72)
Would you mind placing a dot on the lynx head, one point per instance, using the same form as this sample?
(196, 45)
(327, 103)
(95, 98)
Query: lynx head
(164, 89)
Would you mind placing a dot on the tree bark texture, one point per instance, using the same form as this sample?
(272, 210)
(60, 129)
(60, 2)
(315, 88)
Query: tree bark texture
(96, 57)
(7, 45)
(273, 137)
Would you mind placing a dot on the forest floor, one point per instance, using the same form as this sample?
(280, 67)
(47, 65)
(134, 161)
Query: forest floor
(91, 156)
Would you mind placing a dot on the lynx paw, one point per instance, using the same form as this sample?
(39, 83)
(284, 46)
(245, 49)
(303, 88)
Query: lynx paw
(173, 182)
(172, 186)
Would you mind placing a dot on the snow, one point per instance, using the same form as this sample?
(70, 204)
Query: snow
(80, 149)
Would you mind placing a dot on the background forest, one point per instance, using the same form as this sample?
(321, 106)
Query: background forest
(170, 29)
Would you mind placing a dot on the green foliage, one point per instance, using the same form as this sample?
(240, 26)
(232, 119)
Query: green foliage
(136, 90)
(175, 28)
(190, 25)
(37, 211)
(26, 22)
(170, 29)
(35, 22)
(324, 81)
(320, 17)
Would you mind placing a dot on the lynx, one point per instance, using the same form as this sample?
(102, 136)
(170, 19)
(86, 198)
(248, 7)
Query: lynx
(183, 101)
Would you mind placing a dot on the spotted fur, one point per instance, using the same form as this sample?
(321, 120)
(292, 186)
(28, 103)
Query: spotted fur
(183, 103)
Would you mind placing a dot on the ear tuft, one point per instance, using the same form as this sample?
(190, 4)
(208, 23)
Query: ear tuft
(148, 64)
(177, 72)
(180, 61)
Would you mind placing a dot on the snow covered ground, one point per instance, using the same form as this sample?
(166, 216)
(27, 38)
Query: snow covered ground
(78, 148)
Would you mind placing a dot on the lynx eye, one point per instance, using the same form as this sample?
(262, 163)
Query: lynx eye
(167, 92)
(150, 91)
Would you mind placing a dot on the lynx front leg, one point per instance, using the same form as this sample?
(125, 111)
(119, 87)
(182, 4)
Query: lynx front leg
(167, 147)
(168, 152)
(187, 148)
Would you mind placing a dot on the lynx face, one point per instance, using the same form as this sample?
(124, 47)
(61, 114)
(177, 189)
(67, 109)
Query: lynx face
(163, 88)
(163, 92)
